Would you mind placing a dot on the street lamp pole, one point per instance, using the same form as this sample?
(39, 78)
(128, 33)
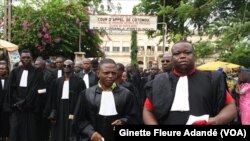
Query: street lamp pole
(164, 36)
(80, 36)
(7, 19)
(164, 27)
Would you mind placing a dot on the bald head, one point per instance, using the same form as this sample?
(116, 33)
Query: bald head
(78, 66)
(68, 62)
(68, 66)
(40, 63)
(167, 55)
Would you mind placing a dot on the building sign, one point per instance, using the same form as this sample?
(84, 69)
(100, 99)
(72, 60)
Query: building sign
(123, 22)
(14, 56)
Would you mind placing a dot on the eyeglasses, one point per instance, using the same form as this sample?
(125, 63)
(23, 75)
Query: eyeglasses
(67, 66)
(165, 61)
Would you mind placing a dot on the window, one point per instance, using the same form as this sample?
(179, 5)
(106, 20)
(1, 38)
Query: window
(116, 49)
(107, 49)
(125, 49)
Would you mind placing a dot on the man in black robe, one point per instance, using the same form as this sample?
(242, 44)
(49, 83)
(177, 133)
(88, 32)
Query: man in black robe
(4, 110)
(23, 91)
(166, 62)
(65, 93)
(103, 106)
(58, 72)
(185, 92)
(87, 74)
(44, 100)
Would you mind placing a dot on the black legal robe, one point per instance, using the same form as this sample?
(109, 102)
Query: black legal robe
(93, 79)
(23, 101)
(65, 107)
(206, 96)
(87, 120)
(4, 110)
(44, 103)
(138, 100)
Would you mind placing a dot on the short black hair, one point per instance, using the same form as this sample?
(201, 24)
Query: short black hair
(94, 62)
(25, 51)
(120, 67)
(106, 61)
(182, 41)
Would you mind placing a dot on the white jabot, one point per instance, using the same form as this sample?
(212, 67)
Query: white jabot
(107, 106)
(181, 101)
(86, 80)
(2, 80)
(59, 73)
(24, 79)
(65, 92)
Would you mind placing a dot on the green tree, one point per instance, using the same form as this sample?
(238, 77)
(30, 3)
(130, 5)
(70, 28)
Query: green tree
(228, 20)
(203, 49)
(240, 54)
(232, 27)
(179, 15)
(53, 28)
(134, 48)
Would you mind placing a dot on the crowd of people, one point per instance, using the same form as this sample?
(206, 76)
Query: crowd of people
(84, 100)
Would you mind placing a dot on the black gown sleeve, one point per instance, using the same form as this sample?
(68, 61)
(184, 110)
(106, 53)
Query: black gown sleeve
(80, 123)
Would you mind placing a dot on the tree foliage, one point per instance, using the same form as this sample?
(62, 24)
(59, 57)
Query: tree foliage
(232, 27)
(179, 15)
(227, 20)
(53, 28)
(203, 49)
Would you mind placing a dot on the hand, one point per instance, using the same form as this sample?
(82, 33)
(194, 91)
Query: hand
(52, 121)
(212, 121)
(200, 122)
(52, 114)
(117, 122)
(96, 137)
(19, 104)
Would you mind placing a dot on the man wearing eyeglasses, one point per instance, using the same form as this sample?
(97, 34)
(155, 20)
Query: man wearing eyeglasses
(166, 62)
(65, 92)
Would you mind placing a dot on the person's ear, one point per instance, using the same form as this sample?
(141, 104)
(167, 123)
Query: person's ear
(98, 73)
